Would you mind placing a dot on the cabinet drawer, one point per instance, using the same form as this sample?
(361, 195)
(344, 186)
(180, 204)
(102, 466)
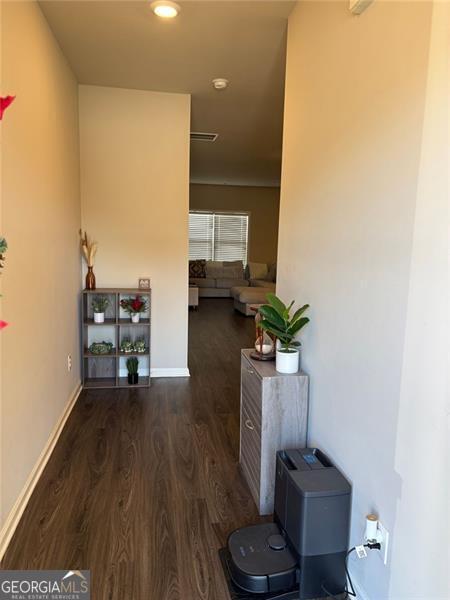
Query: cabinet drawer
(251, 389)
(250, 453)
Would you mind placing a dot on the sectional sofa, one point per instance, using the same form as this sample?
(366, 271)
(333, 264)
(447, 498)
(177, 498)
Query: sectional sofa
(216, 278)
(222, 279)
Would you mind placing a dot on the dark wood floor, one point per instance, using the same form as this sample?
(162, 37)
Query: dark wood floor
(143, 486)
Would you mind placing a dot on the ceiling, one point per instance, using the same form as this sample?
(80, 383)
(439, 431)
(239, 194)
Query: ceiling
(123, 44)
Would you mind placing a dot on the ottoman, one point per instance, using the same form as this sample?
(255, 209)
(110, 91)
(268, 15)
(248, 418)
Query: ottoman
(246, 296)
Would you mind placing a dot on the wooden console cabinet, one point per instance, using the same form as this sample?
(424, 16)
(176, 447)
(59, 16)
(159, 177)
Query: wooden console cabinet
(274, 416)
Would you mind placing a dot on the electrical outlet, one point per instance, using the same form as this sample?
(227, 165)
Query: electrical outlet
(69, 362)
(383, 538)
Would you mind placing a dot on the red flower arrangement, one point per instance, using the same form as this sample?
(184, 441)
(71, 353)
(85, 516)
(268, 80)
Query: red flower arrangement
(5, 101)
(134, 306)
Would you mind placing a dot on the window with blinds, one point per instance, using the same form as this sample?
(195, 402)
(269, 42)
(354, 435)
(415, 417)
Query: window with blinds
(218, 235)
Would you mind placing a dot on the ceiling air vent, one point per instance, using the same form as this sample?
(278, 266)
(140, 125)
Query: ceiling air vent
(203, 137)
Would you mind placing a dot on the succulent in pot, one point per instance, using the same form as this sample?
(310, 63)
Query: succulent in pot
(134, 307)
(99, 306)
(126, 346)
(132, 367)
(277, 319)
(139, 345)
(101, 347)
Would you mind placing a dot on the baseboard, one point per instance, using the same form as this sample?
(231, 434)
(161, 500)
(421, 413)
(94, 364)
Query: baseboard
(361, 593)
(170, 372)
(17, 510)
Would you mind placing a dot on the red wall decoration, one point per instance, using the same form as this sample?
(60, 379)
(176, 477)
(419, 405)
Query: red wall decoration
(5, 101)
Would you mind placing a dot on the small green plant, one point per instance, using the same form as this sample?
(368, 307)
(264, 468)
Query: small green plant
(101, 347)
(276, 319)
(132, 365)
(139, 345)
(3, 249)
(100, 304)
(126, 346)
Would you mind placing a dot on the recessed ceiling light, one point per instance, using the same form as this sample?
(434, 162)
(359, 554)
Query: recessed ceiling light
(220, 83)
(165, 9)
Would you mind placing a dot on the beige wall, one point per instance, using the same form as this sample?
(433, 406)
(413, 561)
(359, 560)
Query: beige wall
(40, 219)
(364, 239)
(262, 202)
(135, 198)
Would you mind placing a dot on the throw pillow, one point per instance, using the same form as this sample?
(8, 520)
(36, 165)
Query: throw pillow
(197, 268)
(257, 270)
(272, 272)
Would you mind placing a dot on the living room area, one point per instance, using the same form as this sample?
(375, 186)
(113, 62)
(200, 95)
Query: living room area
(233, 235)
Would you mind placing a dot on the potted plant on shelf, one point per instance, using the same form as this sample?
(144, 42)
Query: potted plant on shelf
(101, 347)
(139, 346)
(134, 307)
(132, 366)
(99, 306)
(126, 346)
(277, 319)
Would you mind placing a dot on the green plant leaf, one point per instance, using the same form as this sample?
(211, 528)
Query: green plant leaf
(286, 312)
(295, 328)
(267, 326)
(298, 313)
(277, 304)
(270, 314)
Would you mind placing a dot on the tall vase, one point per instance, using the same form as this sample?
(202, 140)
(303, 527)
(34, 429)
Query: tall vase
(90, 279)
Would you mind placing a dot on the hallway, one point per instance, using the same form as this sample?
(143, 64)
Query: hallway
(143, 486)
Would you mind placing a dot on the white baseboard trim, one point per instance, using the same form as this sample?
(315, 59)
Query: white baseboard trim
(169, 372)
(361, 593)
(17, 510)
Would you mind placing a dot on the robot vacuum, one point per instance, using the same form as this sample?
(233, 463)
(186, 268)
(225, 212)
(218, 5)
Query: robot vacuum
(302, 553)
(260, 559)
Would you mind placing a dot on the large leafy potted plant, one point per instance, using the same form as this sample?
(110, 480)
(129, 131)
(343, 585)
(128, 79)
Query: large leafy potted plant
(277, 319)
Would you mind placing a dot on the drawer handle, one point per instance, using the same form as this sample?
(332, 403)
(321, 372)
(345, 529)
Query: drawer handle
(249, 424)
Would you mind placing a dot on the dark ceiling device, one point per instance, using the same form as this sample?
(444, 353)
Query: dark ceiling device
(302, 554)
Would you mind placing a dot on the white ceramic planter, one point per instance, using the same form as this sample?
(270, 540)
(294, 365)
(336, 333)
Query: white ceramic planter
(135, 318)
(99, 317)
(287, 362)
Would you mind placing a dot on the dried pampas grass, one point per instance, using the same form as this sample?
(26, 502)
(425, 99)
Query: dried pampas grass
(88, 248)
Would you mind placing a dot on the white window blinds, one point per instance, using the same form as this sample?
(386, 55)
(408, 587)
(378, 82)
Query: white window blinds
(218, 236)
(201, 235)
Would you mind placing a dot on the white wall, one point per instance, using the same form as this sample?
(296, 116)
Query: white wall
(40, 215)
(363, 239)
(135, 203)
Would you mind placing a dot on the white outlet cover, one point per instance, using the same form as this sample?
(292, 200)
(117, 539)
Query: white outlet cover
(384, 537)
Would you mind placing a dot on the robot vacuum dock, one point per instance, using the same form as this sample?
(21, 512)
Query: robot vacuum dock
(302, 554)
